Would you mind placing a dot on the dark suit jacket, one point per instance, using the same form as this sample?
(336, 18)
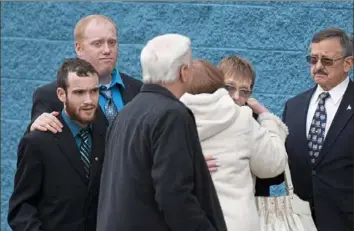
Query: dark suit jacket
(51, 191)
(154, 175)
(329, 182)
(45, 98)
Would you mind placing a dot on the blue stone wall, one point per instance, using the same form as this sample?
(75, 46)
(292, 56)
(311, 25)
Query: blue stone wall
(37, 36)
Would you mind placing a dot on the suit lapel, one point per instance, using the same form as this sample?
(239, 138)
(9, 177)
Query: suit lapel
(340, 120)
(130, 90)
(127, 95)
(67, 145)
(98, 147)
(102, 117)
(303, 106)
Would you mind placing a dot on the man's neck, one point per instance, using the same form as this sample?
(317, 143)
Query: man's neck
(105, 79)
(175, 88)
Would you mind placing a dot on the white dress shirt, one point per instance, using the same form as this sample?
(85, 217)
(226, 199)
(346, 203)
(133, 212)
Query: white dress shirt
(332, 103)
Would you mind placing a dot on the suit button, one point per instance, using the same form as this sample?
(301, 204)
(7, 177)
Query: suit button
(96, 158)
(313, 172)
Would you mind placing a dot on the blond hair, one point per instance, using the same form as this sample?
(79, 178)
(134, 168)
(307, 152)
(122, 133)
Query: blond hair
(237, 67)
(82, 24)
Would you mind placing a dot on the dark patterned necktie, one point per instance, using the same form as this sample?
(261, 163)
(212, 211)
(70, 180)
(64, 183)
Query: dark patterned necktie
(85, 150)
(110, 108)
(316, 134)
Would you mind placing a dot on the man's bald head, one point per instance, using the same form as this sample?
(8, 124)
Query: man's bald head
(81, 25)
(96, 41)
(206, 78)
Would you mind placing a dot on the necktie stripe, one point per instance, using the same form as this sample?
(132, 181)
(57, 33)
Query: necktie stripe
(85, 157)
(85, 150)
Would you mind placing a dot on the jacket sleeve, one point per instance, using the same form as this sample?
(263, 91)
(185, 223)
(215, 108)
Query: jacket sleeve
(172, 174)
(40, 104)
(269, 157)
(23, 212)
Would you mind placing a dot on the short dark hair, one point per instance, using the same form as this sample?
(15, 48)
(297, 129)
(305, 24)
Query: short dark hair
(81, 67)
(345, 41)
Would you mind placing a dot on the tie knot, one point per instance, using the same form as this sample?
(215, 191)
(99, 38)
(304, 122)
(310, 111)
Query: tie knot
(84, 133)
(323, 95)
(106, 92)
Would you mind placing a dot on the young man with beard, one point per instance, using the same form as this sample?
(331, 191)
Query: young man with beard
(57, 179)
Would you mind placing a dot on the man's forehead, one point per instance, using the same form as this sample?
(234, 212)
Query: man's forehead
(99, 22)
(327, 46)
(74, 78)
(84, 88)
(80, 86)
(96, 28)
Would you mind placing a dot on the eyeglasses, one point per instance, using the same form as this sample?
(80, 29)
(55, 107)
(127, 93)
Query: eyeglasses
(242, 92)
(325, 61)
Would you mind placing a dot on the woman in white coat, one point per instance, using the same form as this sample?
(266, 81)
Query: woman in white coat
(244, 147)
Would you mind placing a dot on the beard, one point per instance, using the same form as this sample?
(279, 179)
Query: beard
(74, 114)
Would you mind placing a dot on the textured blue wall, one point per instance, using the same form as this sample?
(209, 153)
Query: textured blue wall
(36, 36)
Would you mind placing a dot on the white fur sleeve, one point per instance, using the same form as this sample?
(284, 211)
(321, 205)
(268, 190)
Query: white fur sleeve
(273, 124)
(269, 156)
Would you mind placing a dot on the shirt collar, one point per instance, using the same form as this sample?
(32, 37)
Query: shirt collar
(74, 127)
(116, 79)
(335, 93)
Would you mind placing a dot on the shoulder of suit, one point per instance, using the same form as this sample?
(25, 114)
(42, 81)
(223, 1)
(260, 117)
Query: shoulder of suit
(173, 107)
(305, 94)
(300, 96)
(130, 80)
(38, 137)
(47, 88)
(168, 107)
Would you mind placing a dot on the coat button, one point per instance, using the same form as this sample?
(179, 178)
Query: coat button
(96, 158)
(313, 172)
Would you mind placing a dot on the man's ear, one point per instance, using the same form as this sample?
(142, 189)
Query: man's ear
(348, 63)
(61, 94)
(183, 74)
(78, 48)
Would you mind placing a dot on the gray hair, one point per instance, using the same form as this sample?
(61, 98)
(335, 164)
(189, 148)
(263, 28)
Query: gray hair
(163, 56)
(328, 33)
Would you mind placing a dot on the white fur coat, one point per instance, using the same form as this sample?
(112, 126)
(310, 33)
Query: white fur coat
(244, 148)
